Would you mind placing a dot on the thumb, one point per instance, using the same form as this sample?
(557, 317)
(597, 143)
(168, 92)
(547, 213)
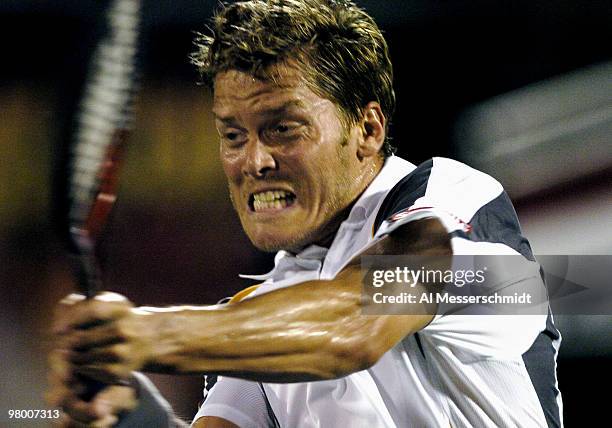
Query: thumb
(113, 400)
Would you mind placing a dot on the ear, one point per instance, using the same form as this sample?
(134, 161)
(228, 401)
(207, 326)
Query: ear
(373, 130)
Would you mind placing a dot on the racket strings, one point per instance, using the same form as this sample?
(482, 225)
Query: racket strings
(106, 112)
(105, 115)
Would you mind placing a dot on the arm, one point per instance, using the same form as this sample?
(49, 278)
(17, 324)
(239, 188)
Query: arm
(213, 422)
(309, 331)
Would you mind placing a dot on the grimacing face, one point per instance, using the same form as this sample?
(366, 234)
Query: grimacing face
(293, 169)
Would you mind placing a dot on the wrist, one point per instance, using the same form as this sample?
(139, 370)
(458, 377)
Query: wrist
(148, 325)
(161, 334)
(180, 338)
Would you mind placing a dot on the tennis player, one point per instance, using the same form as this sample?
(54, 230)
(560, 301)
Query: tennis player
(302, 101)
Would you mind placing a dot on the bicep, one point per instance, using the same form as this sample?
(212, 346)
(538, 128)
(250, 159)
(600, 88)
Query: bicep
(384, 325)
(213, 422)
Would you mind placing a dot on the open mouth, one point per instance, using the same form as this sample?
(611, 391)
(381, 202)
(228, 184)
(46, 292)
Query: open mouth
(271, 200)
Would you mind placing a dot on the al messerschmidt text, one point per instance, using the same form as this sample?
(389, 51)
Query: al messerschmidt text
(516, 298)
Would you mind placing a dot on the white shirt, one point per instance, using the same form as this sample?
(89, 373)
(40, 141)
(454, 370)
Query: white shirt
(460, 370)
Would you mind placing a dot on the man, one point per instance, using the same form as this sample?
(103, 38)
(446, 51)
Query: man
(302, 100)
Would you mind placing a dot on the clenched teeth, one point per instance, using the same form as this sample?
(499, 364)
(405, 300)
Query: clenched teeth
(277, 205)
(272, 199)
(270, 196)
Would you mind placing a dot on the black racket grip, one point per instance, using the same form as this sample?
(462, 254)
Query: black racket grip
(92, 387)
(87, 274)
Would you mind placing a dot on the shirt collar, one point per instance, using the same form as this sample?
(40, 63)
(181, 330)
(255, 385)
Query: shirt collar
(393, 170)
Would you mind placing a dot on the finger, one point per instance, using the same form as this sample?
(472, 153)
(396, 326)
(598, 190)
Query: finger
(111, 373)
(115, 400)
(106, 407)
(108, 354)
(65, 304)
(66, 421)
(71, 299)
(107, 422)
(58, 364)
(88, 313)
(74, 407)
(57, 394)
(62, 383)
(61, 378)
(99, 336)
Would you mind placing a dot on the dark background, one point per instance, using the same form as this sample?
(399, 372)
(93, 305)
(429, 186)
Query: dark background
(173, 237)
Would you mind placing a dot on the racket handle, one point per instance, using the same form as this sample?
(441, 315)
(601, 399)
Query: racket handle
(87, 273)
(92, 387)
(85, 263)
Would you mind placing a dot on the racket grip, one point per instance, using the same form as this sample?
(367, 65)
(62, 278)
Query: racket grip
(92, 387)
(87, 273)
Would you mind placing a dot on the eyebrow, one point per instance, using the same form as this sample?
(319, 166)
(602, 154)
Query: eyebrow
(266, 112)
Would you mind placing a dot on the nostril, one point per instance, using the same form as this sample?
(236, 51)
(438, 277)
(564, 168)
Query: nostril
(265, 170)
(260, 160)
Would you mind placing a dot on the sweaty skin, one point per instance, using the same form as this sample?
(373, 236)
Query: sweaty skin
(281, 136)
(294, 171)
(310, 331)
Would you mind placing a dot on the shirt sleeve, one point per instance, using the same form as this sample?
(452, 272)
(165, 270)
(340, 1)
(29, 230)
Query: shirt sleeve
(481, 222)
(469, 348)
(239, 401)
(472, 206)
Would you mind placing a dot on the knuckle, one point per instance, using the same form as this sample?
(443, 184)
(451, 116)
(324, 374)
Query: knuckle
(72, 298)
(109, 296)
(124, 396)
(108, 330)
(119, 371)
(128, 330)
(117, 352)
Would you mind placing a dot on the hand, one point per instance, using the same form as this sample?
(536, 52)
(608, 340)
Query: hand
(100, 411)
(105, 338)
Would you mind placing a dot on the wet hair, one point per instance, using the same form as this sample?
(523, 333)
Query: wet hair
(338, 47)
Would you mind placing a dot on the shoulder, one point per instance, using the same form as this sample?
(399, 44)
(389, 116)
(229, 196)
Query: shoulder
(471, 204)
(444, 184)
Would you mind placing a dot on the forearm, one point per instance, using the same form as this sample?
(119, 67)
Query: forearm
(308, 331)
(304, 332)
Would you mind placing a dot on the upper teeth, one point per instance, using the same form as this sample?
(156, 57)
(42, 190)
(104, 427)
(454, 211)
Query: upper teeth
(270, 196)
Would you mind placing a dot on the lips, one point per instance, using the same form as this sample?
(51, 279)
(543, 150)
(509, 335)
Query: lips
(271, 200)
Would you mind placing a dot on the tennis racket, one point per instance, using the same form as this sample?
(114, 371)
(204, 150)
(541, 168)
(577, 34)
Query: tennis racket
(103, 121)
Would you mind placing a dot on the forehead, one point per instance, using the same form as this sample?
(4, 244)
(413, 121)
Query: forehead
(238, 89)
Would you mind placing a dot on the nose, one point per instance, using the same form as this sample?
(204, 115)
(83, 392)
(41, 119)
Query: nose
(259, 159)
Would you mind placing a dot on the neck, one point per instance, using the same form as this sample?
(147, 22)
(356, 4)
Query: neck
(368, 175)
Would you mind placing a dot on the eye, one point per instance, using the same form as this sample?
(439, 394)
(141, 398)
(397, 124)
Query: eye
(233, 137)
(284, 131)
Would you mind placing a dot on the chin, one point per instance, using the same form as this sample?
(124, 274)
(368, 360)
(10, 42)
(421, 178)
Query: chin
(268, 247)
(273, 243)
(268, 243)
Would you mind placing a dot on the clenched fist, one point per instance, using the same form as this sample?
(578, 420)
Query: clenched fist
(82, 407)
(104, 338)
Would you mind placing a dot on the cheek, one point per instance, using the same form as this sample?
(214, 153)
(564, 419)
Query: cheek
(231, 163)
